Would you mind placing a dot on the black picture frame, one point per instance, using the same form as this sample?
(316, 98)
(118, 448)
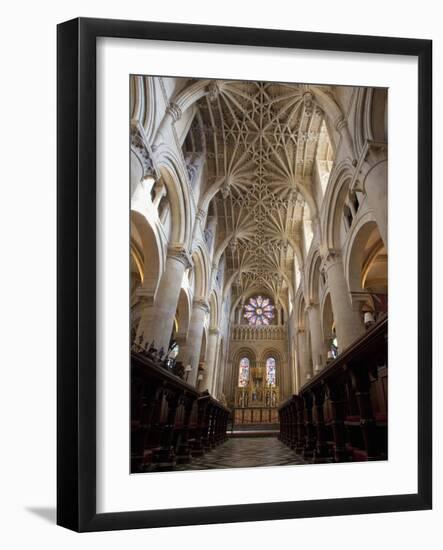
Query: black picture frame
(76, 265)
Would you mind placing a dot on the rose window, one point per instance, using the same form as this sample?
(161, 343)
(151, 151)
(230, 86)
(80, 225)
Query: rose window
(259, 311)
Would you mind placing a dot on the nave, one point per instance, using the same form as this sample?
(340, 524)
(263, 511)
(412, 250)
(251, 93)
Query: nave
(259, 272)
(246, 452)
(339, 416)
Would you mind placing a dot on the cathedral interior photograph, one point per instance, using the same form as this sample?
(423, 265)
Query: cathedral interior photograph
(258, 274)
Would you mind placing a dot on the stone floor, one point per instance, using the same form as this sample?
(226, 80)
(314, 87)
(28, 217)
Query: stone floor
(245, 452)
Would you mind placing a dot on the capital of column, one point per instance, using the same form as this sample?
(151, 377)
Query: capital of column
(142, 151)
(373, 152)
(201, 213)
(330, 258)
(174, 110)
(213, 90)
(201, 304)
(180, 254)
(214, 331)
(308, 102)
(340, 124)
(310, 305)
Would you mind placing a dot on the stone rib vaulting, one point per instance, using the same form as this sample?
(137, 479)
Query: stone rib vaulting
(258, 265)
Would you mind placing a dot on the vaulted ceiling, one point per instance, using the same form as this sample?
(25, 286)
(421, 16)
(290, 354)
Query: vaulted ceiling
(260, 140)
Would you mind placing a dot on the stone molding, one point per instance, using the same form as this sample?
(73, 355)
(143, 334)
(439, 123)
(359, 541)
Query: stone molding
(180, 254)
(373, 153)
(142, 151)
(330, 258)
(201, 304)
(174, 110)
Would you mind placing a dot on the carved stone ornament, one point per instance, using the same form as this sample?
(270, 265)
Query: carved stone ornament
(308, 100)
(142, 151)
(174, 110)
(201, 304)
(330, 257)
(213, 91)
(180, 254)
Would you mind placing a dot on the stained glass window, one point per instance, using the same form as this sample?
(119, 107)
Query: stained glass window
(259, 311)
(243, 372)
(270, 372)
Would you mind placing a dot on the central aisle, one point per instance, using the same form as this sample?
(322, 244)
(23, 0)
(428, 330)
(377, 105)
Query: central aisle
(245, 452)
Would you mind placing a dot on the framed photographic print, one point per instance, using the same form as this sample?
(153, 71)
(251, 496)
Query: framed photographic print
(242, 214)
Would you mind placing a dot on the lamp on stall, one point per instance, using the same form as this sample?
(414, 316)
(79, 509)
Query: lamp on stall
(330, 355)
(368, 319)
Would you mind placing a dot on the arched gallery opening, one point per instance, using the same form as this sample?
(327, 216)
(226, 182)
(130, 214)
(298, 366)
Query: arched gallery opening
(258, 274)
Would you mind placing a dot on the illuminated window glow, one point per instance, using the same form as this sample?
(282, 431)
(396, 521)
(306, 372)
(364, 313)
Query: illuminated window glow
(270, 372)
(259, 311)
(243, 373)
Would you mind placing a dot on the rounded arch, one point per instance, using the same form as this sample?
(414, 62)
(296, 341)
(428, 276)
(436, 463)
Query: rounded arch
(334, 200)
(203, 346)
(191, 94)
(175, 180)
(143, 98)
(201, 272)
(312, 278)
(183, 315)
(213, 310)
(244, 351)
(300, 306)
(147, 251)
(369, 121)
(272, 353)
(364, 237)
(239, 376)
(327, 318)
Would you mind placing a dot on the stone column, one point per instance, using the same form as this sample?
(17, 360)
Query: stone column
(165, 307)
(303, 354)
(208, 378)
(318, 347)
(374, 176)
(173, 113)
(143, 172)
(240, 312)
(195, 333)
(147, 307)
(348, 322)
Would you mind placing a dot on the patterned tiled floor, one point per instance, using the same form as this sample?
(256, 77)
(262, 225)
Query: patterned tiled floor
(245, 452)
